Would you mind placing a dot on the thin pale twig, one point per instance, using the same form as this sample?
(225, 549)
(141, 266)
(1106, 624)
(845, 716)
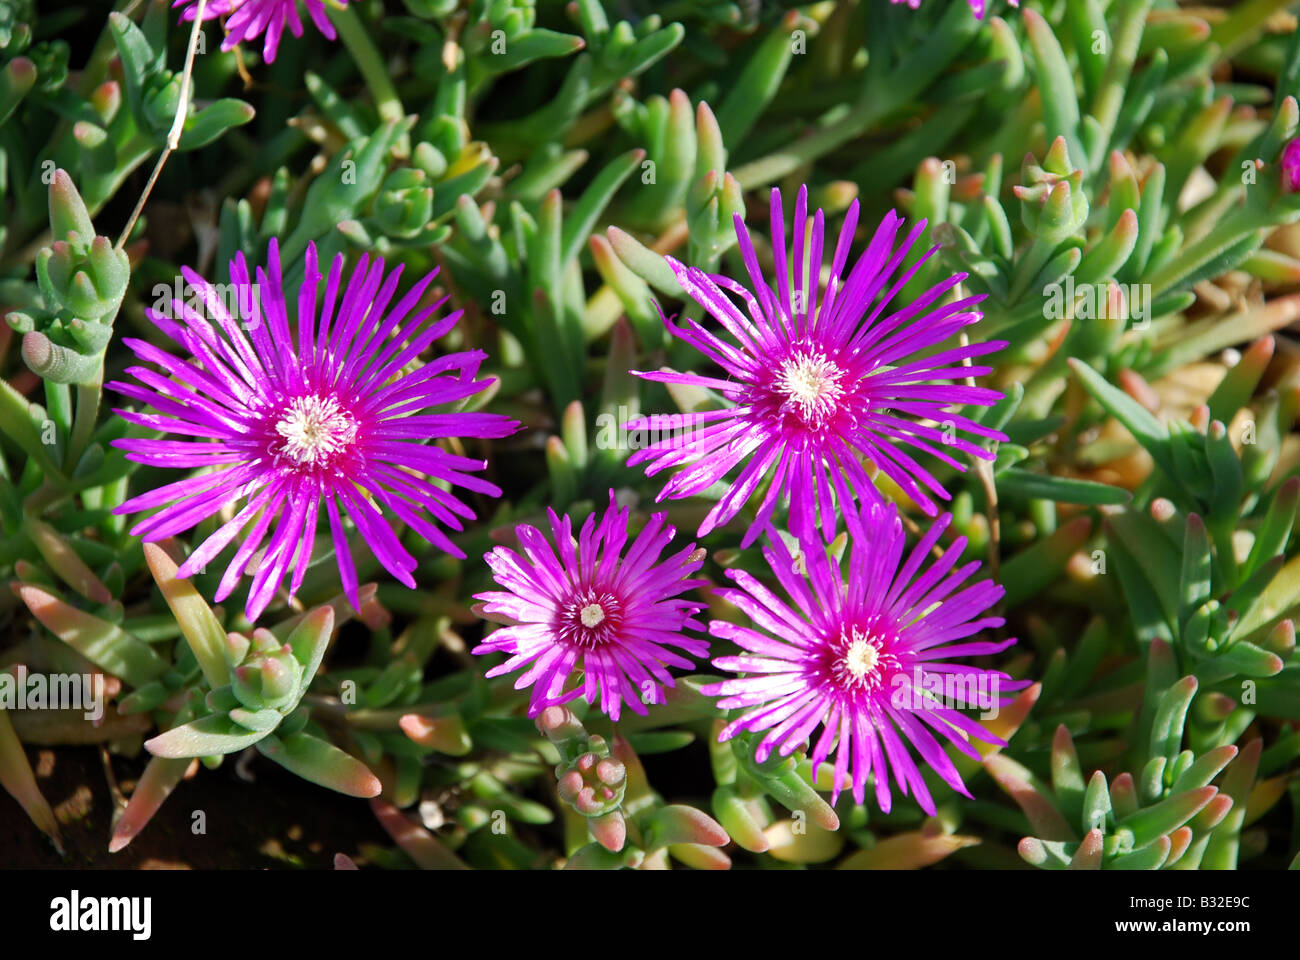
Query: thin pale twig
(914, 528)
(114, 791)
(178, 124)
(242, 69)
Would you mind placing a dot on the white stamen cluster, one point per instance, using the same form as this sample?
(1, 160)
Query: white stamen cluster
(862, 660)
(314, 430)
(590, 618)
(811, 385)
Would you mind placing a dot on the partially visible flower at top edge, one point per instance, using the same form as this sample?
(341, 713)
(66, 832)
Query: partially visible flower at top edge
(285, 427)
(847, 652)
(593, 608)
(977, 6)
(211, 10)
(1290, 164)
(249, 18)
(820, 381)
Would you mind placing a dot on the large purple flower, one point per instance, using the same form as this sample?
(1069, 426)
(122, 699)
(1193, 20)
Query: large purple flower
(614, 617)
(287, 425)
(866, 656)
(820, 381)
(249, 18)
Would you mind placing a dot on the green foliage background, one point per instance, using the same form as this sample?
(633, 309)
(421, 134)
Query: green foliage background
(547, 156)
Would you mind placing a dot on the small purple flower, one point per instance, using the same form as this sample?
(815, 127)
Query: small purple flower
(821, 380)
(211, 10)
(857, 654)
(249, 18)
(1291, 167)
(613, 616)
(287, 425)
(977, 6)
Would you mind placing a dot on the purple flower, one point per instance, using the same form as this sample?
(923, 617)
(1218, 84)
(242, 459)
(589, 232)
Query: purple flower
(857, 654)
(977, 6)
(614, 616)
(1291, 167)
(249, 18)
(821, 380)
(211, 10)
(287, 425)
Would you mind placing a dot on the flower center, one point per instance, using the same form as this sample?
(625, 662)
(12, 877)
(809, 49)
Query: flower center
(315, 429)
(858, 659)
(592, 615)
(811, 385)
(590, 618)
(861, 659)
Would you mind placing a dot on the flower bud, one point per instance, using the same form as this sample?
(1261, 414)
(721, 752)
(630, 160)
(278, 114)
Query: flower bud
(1290, 166)
(1053, 204)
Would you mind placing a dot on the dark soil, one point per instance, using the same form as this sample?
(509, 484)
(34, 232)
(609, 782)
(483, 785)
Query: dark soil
(277, 822)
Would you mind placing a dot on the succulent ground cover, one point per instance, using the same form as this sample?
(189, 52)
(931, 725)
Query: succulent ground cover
(532, 434)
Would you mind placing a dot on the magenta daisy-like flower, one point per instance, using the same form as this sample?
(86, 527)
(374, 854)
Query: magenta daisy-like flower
(334, 418)
(867, 656)
(250, 18)
(587, 605)
(820, 381)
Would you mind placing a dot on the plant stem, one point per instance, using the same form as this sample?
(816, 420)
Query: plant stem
(373, 70)
(83, 423)
(776, 165)
(58, 404)
(178, 124)
(1035, 258)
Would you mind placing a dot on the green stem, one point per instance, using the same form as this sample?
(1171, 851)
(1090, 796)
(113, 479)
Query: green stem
(58, 405)
(776, 165)
(83, 424)
(1244, 25)
(373, 69)
(1035, 258)
(45, 496)
(1110, 95)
